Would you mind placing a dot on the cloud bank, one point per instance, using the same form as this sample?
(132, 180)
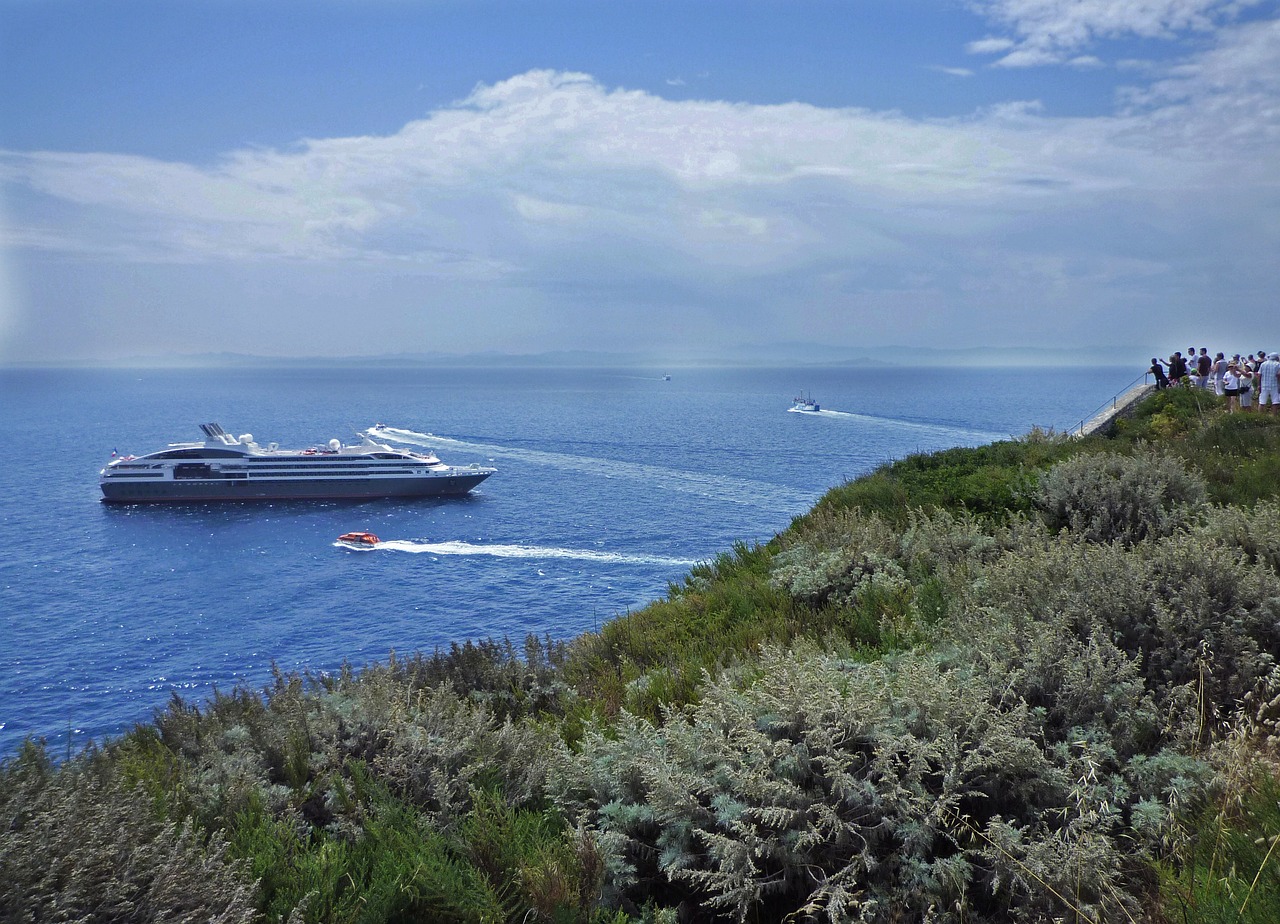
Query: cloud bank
(569, 214)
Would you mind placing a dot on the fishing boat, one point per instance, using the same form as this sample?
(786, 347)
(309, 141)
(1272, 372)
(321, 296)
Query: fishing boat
(804, 404)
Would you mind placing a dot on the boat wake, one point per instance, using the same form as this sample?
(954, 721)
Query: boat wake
(898, 423)
(529, 551)
(718, 487)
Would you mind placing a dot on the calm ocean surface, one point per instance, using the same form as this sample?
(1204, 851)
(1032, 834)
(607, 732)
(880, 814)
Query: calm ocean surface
(610, 485)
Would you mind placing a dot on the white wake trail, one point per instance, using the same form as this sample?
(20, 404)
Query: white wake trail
(896, 423)
(530, 551)
(718, 487)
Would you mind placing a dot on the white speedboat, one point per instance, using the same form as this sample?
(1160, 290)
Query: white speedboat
(224, 467)
(803, 404)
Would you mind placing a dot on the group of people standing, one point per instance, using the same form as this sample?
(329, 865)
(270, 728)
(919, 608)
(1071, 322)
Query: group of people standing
(1238, 378)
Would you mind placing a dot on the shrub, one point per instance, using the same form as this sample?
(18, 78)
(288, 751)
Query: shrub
(499, 864)
(992, 480)
(1254, 531)
(1216, 622)
(1106, 497)
(1226, 870)
(289, 746)
(77, 845)
(834, 553)
(881, 792)
(1194, 617)
(512, 683)
(1166, 415)
(658, 655)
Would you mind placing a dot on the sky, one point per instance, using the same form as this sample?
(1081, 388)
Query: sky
(678, 179)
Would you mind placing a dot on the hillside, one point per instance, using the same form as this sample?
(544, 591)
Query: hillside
(1029, 681)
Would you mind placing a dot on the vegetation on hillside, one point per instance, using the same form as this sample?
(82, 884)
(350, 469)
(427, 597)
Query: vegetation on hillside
(1030, 681)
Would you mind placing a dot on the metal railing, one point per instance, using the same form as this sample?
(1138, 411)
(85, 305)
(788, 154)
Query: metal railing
(1111, 405)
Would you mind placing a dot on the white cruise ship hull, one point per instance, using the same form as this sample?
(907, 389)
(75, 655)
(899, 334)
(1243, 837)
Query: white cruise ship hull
(224, 468)
(158, 490)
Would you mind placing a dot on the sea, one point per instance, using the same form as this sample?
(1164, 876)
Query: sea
(611, 484)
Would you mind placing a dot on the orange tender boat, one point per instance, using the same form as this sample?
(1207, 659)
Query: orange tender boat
(359, 538)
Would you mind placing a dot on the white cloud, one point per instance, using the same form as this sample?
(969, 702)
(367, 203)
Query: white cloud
(989, 46)
(1052, 31)
(547, 146)
(1220, 103)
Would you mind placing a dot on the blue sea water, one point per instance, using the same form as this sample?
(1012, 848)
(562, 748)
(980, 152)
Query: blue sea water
(610, 485)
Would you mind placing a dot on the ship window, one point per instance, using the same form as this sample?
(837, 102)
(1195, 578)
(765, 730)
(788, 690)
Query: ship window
(192, 470)
(196, 454)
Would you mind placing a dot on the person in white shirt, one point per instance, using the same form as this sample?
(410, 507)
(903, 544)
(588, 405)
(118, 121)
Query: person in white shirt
(1268, 387)
(1231, 387)
(1219, 374)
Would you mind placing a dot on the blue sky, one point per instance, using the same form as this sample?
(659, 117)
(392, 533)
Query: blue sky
(357, 178)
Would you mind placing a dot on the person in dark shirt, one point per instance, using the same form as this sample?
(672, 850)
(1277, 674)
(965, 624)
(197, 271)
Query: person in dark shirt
(1157, 369)
(1177, 368)
(1204, 365)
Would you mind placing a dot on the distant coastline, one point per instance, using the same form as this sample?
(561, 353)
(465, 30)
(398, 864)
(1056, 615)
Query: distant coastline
(777, 355)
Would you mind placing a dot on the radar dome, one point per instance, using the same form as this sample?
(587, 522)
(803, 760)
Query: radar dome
(246, 438)
(335, 445)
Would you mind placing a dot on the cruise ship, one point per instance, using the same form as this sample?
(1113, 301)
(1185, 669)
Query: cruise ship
(224, 467)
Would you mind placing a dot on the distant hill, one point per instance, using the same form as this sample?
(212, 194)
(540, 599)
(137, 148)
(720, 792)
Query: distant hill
(774, 354)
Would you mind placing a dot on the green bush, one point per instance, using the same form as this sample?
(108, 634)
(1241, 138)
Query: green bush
(991, 480)
(1167, 415)
(1228, 870)
(658, 656)
(499, 864)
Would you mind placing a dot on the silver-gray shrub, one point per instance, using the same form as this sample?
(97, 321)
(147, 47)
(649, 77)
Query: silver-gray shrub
(1194, 619)
(838, 555)
(1216, 620)
(1253, 530)
(833, 554)
(942, 541)
(77, 844)
(290, 746)
(439, 746)
(1109, 497)
(819, 789)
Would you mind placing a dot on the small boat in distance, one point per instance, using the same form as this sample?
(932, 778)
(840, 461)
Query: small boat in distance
(362, 540)
(803, 404)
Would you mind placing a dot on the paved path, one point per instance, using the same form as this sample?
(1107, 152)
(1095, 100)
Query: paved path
(1118, 406)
